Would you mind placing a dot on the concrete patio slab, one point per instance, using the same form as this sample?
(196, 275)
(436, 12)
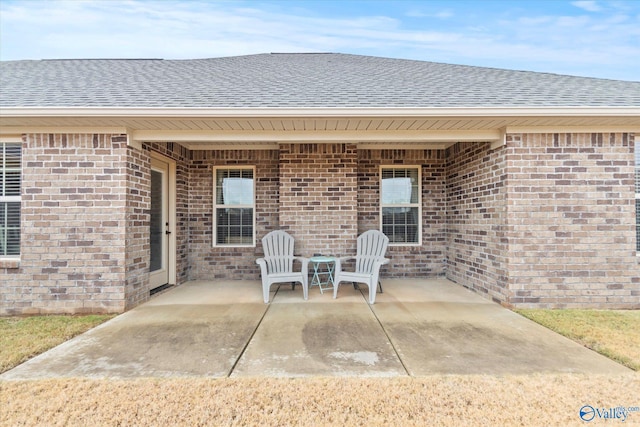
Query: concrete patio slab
(219, 329)
(321, 336)
(438, 327)
(199, 329)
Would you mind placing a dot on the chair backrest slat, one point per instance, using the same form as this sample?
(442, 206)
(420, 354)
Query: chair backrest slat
(371, 246)
(278, 251)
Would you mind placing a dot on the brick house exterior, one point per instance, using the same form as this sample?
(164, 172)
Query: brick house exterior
(528, 200)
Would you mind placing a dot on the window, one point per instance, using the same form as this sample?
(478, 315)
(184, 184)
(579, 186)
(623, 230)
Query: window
(637, 151)
(234, 206)
(10, 179)
(400, 205)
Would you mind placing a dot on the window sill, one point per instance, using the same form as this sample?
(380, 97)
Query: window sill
(9, 263)
(402, 245)
(233, 245)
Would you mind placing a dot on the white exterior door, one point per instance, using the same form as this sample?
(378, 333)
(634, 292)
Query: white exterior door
(159, 225)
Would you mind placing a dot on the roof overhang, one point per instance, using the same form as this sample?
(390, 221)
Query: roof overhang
(198, 128)
(317, 112)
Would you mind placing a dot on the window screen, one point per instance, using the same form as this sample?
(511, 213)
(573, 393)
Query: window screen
(400, 204)
(234, 201)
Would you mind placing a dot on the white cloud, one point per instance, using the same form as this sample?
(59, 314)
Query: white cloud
(588, 5)
(441, 14)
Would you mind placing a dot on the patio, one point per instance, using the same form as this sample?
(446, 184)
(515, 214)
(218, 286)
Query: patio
(219, 329)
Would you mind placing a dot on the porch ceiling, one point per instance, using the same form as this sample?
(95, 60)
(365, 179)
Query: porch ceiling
(208, 129)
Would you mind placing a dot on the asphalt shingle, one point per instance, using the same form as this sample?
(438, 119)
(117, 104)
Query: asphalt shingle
(296, 81)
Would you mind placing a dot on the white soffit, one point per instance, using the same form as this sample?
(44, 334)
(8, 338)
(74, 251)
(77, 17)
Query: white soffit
(265, 128)
(195, 138)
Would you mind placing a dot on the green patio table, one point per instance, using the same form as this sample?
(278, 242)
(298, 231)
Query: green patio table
(323, 268)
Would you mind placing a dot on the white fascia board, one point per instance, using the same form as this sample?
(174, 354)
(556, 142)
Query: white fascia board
(319, 112)
(63, 129)
(10, 138)
(314, 136)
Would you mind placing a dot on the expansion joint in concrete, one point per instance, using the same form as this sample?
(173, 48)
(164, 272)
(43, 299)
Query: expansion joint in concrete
(246, 344)
(387, 335)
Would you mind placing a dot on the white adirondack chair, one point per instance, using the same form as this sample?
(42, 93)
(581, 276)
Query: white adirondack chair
(277, 264)
(371, 248)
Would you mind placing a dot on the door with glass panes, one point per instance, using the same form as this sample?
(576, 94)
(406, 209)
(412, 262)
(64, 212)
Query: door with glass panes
(159, 225)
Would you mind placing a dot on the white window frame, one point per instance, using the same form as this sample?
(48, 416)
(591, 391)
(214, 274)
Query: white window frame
(418, 204)
(10, 199)
(217, 206)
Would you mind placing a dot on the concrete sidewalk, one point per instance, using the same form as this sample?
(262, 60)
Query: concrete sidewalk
(219, 329)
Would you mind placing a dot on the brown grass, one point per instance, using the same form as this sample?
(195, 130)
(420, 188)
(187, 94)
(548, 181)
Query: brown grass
(22, 338)
(612, 333)
(437, 400)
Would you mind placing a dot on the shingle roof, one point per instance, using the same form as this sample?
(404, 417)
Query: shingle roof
(296, 81)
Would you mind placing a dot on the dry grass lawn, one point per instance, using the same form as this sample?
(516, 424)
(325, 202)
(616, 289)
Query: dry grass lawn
(438, 400)
(22, 338)
(612, 333)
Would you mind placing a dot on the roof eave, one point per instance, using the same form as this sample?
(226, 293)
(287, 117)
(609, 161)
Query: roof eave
(569, 111)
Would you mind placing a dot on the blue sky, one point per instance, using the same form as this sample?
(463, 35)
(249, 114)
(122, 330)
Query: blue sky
(596, 38)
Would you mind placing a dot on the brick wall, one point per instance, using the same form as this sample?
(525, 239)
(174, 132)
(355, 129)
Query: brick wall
(407, 261)
(207, 262)
(137, 227)
(73, 227)
(85, 220)
(547, 221)
(476, 219)
(318, 197)
(571, 217)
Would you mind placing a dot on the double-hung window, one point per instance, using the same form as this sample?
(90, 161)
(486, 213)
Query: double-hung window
(637, 151)
(10, 180)
(400, 204)
(234, 206)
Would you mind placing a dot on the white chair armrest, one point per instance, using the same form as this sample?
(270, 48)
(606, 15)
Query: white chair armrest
(263, 266)
(340, 260)
(304, 261)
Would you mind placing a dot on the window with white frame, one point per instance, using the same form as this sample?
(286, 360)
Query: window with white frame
(637, 151)
(400, 204)
(234, 206)
(10, 181)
